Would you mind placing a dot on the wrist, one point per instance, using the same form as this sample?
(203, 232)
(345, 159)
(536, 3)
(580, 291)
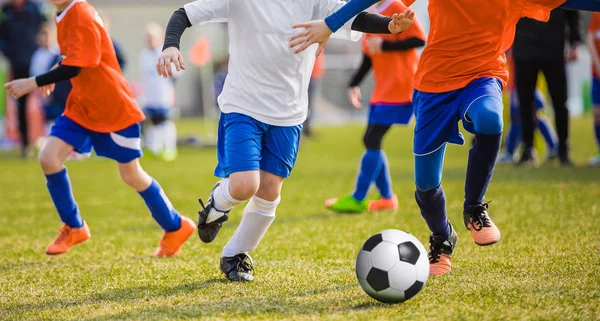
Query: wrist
(33, 82)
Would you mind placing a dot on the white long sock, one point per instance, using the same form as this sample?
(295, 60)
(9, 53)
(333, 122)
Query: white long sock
(152, 139)
(258, 216)
(170, 135)
(222, 199)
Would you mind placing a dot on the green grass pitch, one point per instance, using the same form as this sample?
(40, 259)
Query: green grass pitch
(546, 267)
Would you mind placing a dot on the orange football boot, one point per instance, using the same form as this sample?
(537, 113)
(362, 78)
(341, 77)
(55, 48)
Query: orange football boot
(440, 254)
(68, 237)
(171, 242)
(483, 230)
(384, 204)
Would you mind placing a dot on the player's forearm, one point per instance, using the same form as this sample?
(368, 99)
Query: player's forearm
(586, 5)
(362, 71)
(177, 24)
(58, 74)
(353, 7)
(592, 47)
(572, 18)
(371, 23)
(410, 43)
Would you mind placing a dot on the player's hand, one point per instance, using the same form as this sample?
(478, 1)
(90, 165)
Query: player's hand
(46, 91)
(401, 21)
(170, 56)
(314, 32)
(354, 95)
(374, 45)
(20, 87)
(573, 54)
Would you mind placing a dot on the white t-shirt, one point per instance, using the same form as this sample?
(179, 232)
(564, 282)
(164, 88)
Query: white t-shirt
(266, 80)
(158, 91)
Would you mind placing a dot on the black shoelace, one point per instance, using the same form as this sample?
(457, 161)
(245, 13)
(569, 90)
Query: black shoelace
(243, 264)
(435, 250)
(479, 217)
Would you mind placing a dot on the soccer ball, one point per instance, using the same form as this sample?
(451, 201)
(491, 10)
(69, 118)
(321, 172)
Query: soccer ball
(392, 266)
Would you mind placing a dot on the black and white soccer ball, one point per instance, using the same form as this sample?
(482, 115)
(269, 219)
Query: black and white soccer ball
(392, 266)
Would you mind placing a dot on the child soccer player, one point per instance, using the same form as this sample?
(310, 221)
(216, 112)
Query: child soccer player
(263, 103)
(101, 113)
(593, 42)
(394, 61)
(460, 77)
(159, 99)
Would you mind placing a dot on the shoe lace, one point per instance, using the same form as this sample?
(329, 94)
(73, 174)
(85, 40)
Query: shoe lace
(479, 217)
(435, 250)
(64, 234)
(201, 203)
(243, 264)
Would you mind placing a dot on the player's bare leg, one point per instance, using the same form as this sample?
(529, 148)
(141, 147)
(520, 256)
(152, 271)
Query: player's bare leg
(258, 215)
(177, 228)
(74, 231)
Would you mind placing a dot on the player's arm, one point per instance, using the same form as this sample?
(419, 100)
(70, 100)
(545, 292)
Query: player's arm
(354, 94)
(319, 32)
(21, 87)
(377, 45)
(194, 13)
(574, 36)
(591, 44)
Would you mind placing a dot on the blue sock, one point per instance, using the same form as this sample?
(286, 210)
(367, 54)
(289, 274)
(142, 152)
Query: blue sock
(543, 124)
(433, 209)
(384, 180)
(482, 158)
(597, 128)
(370, 166)
(513, 137)
(59, 187)
(161, 208)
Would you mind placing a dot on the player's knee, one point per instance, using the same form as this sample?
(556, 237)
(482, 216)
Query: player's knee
(49, 161)
(428, 183)
(133, 176)
(243, 187)
(270, 188)
(486, 115)
(372, 141)
(158, 119)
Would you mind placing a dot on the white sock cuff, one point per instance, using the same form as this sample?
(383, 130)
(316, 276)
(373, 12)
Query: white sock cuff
(263, 206)
(227, 194)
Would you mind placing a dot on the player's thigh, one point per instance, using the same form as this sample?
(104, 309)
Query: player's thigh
(53, 154)
(270, 186)
(239, 144)
(280, 150)
(374, 135)
(73, 134)
(437, 117)
(122, 146)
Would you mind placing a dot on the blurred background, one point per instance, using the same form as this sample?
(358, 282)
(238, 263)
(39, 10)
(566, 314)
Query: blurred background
(205, 51)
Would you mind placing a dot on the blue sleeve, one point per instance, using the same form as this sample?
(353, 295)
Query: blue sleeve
(353, 7)
(586, 5)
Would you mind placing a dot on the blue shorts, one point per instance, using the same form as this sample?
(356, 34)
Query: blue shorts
(122, 146)
(53, 111)
(390, 114)
(246, 144)
(438, 114)
(596, 91)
